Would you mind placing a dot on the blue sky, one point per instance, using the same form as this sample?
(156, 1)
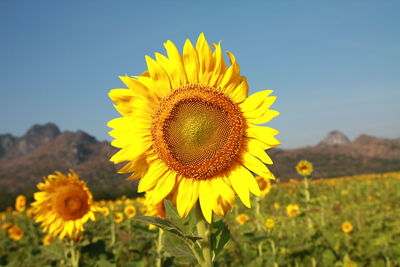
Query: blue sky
(332, 64)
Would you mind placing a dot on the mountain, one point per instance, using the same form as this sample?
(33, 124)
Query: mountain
(336, 156)
(44, 149)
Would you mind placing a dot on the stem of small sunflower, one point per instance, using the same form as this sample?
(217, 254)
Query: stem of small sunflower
(204, 231)
(159, 247)
(307, 197)
(112, 232)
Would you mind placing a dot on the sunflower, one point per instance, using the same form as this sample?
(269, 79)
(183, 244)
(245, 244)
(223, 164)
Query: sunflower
(269, 223)
(63, 205)
(20, 203)
(347, 227)
(264, 184)
(105, 211)
(130, 211)
(189, 130)
(304, 168)
(15, 233)
(118, 217)
(242, 218)
(292, 210)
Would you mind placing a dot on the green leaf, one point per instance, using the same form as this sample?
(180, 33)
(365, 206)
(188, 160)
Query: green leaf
(166, 225)
(54, 251)
(178, 250)
(220, 236)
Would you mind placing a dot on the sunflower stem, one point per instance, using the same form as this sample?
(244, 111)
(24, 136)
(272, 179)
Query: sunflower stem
(74, 254)
(204, 231)
(159, 247)
(112, 233)
(307, 198)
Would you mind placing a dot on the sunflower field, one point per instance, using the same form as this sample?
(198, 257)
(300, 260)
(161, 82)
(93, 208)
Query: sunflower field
(347, 221)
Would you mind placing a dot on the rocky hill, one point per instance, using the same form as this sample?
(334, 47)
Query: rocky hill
(336, 156)
(44, 148)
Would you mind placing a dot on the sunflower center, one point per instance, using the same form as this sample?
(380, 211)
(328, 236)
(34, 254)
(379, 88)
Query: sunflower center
(71, 202)
(198, 131)
(262, 184)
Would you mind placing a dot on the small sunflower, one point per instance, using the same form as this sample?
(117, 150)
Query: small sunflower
(277, 205)
(20, 203)
(189, 130)
(304, 168)
(118, 217)
(15, 233)
(264, 184)
(292, 210)
(130, 211)
(269, 223)
(63, 205)
(347, 227)
(105, 211)
(242, 218)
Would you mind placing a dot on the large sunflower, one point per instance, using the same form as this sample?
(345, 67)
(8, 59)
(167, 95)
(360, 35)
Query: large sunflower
(63, 205)
(189, 130)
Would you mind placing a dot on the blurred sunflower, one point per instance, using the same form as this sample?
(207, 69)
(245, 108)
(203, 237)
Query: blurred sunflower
(118, 217)
(269, 223)
(347, 227)
(242, 218)
(130, 211)
(189, 129)
(15, 232)
(105, 211)
(264, 184)
(292, 210)
(63, 205)
(20, 203)
(304, 168)
(277, 206)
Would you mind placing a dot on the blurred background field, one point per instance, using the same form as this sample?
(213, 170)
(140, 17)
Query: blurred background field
(349, 221)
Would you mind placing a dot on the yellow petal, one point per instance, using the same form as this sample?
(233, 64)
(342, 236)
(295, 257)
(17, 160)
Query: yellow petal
(177, 71)
(206, 202)
(191, 62)
(255, 100)
(240, 93)
(150, 179)
(231, 77)
(164, 186)
(266, 117)
(261, 108)
(240, 185)
(193, 196)
(255, 165)
(205, 59)
(219, 68)
(225, 190)
(159, 76)
(139, 89)
(264, 134)
(256, 148)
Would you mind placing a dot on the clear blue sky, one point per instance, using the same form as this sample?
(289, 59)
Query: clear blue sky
(333, 64)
